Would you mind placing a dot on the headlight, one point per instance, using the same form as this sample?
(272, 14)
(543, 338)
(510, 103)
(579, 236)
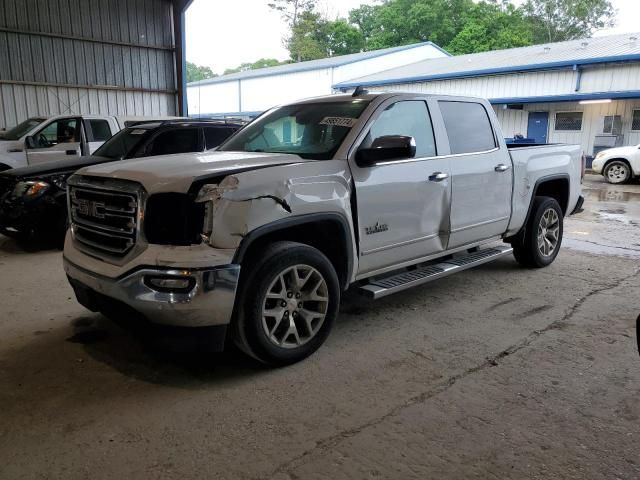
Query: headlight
(600, 155)
(30, 189)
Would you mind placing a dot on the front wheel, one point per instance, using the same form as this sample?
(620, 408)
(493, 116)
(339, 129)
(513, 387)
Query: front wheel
(543, 234)
(617, 172)
(288, 303)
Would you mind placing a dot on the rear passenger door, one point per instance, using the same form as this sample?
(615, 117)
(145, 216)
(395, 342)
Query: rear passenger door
(481, 174)
(402, 205)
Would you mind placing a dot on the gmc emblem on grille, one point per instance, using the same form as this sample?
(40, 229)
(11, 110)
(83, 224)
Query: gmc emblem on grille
(90, 208)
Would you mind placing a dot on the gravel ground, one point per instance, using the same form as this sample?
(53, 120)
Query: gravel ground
(496, 372)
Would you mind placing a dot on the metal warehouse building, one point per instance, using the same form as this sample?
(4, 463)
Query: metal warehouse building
(254, 91)
(109, 57)
(584, 91)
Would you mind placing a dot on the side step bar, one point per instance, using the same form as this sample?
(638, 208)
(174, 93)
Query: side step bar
(384, 286)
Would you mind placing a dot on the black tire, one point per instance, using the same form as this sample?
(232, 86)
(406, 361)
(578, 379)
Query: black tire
(528, 253)
(257, 280)
(617, 172)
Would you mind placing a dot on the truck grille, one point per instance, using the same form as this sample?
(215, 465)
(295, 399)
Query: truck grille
(104, 220)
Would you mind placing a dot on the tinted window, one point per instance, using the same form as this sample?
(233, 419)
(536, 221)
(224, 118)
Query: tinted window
(311, 130)
(100, 129)
(409, 118)
(468, 127)
(216, 135)
(122, 144)
(175, 141)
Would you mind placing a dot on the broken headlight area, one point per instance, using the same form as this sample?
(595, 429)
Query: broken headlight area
(208, 196)
(173, 219)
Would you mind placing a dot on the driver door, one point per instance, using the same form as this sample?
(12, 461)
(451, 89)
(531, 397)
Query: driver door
(402, 204)
(58, 140)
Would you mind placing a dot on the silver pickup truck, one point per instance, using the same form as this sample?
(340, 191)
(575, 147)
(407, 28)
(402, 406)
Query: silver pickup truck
(257, 240)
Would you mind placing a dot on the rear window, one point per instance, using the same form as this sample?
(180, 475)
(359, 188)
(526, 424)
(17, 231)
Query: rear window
(216, 135)
(468, 127)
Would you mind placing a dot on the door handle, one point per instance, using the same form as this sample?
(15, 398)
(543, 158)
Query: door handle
(71, 152)
(438, 176)
(501, 167)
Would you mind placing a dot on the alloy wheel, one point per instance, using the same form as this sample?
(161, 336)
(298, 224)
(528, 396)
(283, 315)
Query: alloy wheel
(295, 306)
(548, 232)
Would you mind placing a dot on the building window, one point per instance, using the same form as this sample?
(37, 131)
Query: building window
(569, 121)
(635, 123)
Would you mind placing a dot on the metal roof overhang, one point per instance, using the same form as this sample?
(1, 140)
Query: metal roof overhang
(572, 64)
(575, 97)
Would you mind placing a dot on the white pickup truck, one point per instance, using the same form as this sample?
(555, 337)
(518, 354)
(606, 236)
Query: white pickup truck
(44, 139)
(257, 240)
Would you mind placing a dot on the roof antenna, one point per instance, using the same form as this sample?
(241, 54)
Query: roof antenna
(360, 90)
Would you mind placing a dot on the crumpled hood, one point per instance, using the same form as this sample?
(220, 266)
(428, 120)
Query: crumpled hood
(176, 173)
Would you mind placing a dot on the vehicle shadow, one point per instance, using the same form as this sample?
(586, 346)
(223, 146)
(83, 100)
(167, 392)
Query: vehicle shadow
(145, 353)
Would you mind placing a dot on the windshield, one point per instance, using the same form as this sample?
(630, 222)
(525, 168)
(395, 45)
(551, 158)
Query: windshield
(121, 145)
(311, 130)
(22, 128)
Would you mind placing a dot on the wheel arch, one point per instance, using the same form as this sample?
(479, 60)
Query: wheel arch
(329, 232)
(617, 159)
(554, 186)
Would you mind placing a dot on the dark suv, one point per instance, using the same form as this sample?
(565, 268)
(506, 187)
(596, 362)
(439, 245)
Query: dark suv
(33, 199)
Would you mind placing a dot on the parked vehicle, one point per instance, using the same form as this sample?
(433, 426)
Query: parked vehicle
(379, 192)
(40, 139)
(618, 165)
(33, 199)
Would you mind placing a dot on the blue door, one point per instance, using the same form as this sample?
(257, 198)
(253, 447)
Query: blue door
(538, 126)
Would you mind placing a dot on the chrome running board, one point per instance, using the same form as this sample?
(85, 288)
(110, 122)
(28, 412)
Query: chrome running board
(383, 286)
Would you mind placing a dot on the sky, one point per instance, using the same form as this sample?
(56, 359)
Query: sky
(223, 34)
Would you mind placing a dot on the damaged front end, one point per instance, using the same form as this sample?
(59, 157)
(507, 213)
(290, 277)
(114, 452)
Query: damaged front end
(230, 211)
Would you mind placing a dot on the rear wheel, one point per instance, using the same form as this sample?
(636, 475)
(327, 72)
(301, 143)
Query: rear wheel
(543, 236)
(617, 172)
(289, 301)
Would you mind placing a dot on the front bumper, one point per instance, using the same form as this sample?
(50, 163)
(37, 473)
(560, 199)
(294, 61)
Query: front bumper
(596, 165)
(209, 302)
(23, 218)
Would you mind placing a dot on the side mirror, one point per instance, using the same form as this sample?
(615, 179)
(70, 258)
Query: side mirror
(388, 147)
(30, 142)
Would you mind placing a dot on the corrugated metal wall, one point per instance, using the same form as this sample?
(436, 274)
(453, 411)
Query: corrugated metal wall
(110, 57)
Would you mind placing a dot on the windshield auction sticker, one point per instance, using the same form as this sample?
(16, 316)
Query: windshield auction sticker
(339, 121)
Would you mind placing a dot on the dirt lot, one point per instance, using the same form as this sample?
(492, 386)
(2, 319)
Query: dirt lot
(498, 373)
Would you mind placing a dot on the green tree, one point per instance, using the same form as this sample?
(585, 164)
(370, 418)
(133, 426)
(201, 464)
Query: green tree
(401, 22)
(297, 14)
(262, 63)
(342, 38)
(198, 72)
(365, 19)
(492, 26)
(558, 20)
(308, 38)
